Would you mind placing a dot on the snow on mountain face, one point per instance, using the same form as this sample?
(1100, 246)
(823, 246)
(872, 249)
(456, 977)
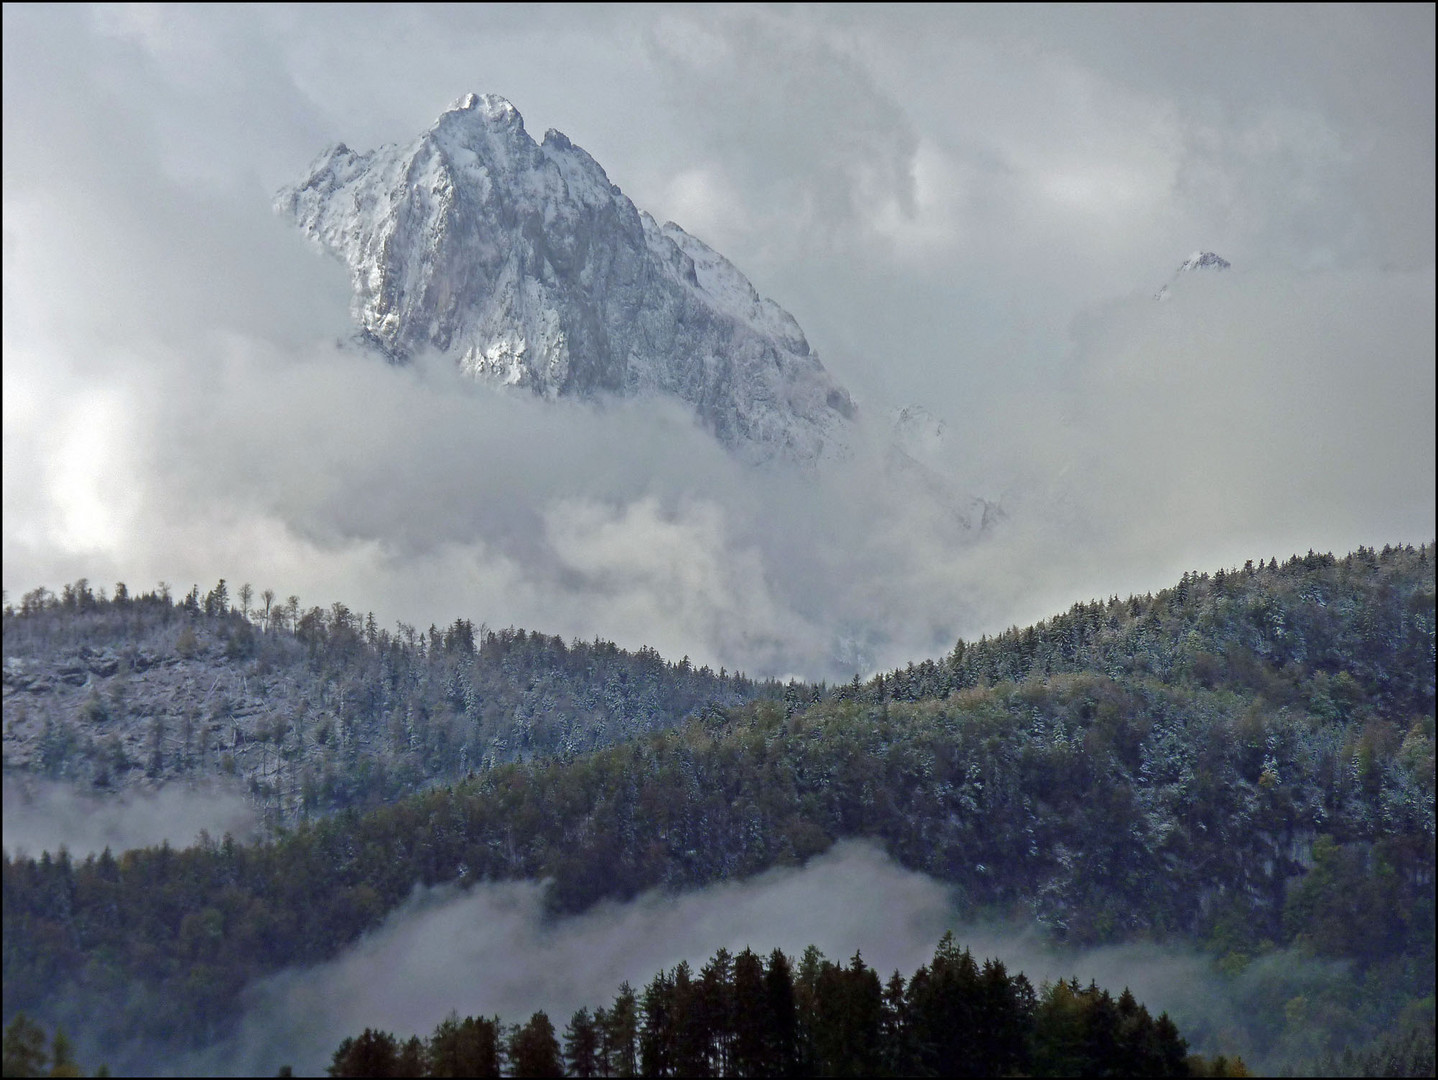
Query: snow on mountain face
(524, 263)
(1204, 260)
(1199, 260)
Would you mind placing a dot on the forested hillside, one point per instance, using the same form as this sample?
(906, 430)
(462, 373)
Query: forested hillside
(312, 710)
(1244, 762)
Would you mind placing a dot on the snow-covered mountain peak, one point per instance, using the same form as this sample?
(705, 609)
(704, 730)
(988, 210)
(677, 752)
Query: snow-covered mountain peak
(1199, 260)
(523, 262)
(1204, 260)
(490, 108)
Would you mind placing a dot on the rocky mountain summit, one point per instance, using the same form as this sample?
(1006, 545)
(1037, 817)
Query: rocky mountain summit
(1199, 260)
(522, 262)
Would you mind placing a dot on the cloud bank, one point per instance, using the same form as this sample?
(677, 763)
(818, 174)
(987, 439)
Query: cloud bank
(43, 815)
(967, 211)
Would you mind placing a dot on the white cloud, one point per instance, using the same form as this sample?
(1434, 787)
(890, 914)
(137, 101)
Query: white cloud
(967, 209)
(44, 815)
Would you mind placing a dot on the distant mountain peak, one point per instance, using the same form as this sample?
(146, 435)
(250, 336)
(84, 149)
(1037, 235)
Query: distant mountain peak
(527, 266)
(1204, 260)
(1199, 260)
(492, 104)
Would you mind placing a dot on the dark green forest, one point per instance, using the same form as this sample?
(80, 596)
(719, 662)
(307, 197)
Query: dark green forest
(1243, 763)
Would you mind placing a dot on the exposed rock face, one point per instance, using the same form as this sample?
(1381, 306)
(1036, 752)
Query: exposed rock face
(527, 266)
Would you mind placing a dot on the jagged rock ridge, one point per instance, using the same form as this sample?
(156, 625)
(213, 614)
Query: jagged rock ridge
(524, 263)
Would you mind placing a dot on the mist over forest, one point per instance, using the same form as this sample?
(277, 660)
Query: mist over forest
(354, 697)
(1228, 782)
(422, 963)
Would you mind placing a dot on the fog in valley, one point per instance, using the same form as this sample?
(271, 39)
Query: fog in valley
(492, 950)
(969, 211)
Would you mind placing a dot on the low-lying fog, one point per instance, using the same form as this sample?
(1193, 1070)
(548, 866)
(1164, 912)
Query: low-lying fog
(45, 815)
(492, 950)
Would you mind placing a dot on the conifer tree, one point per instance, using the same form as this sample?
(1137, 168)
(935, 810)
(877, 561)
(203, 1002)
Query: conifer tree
(899, 1057)
(534, 1050)
(750, 1017)
(655, 1053)
(715, 1004)
(688, 1029)
(782, 1018)
(622, 1034)
(413, 1061)
(847, 1017)
(581, 1045)
(468, 1047)
(374, 1053)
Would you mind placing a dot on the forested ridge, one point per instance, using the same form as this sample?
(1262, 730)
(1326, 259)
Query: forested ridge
(316, 709)
(1245, 762)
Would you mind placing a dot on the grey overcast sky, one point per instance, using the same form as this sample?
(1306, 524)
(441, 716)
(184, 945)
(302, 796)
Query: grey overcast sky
(965, 207)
